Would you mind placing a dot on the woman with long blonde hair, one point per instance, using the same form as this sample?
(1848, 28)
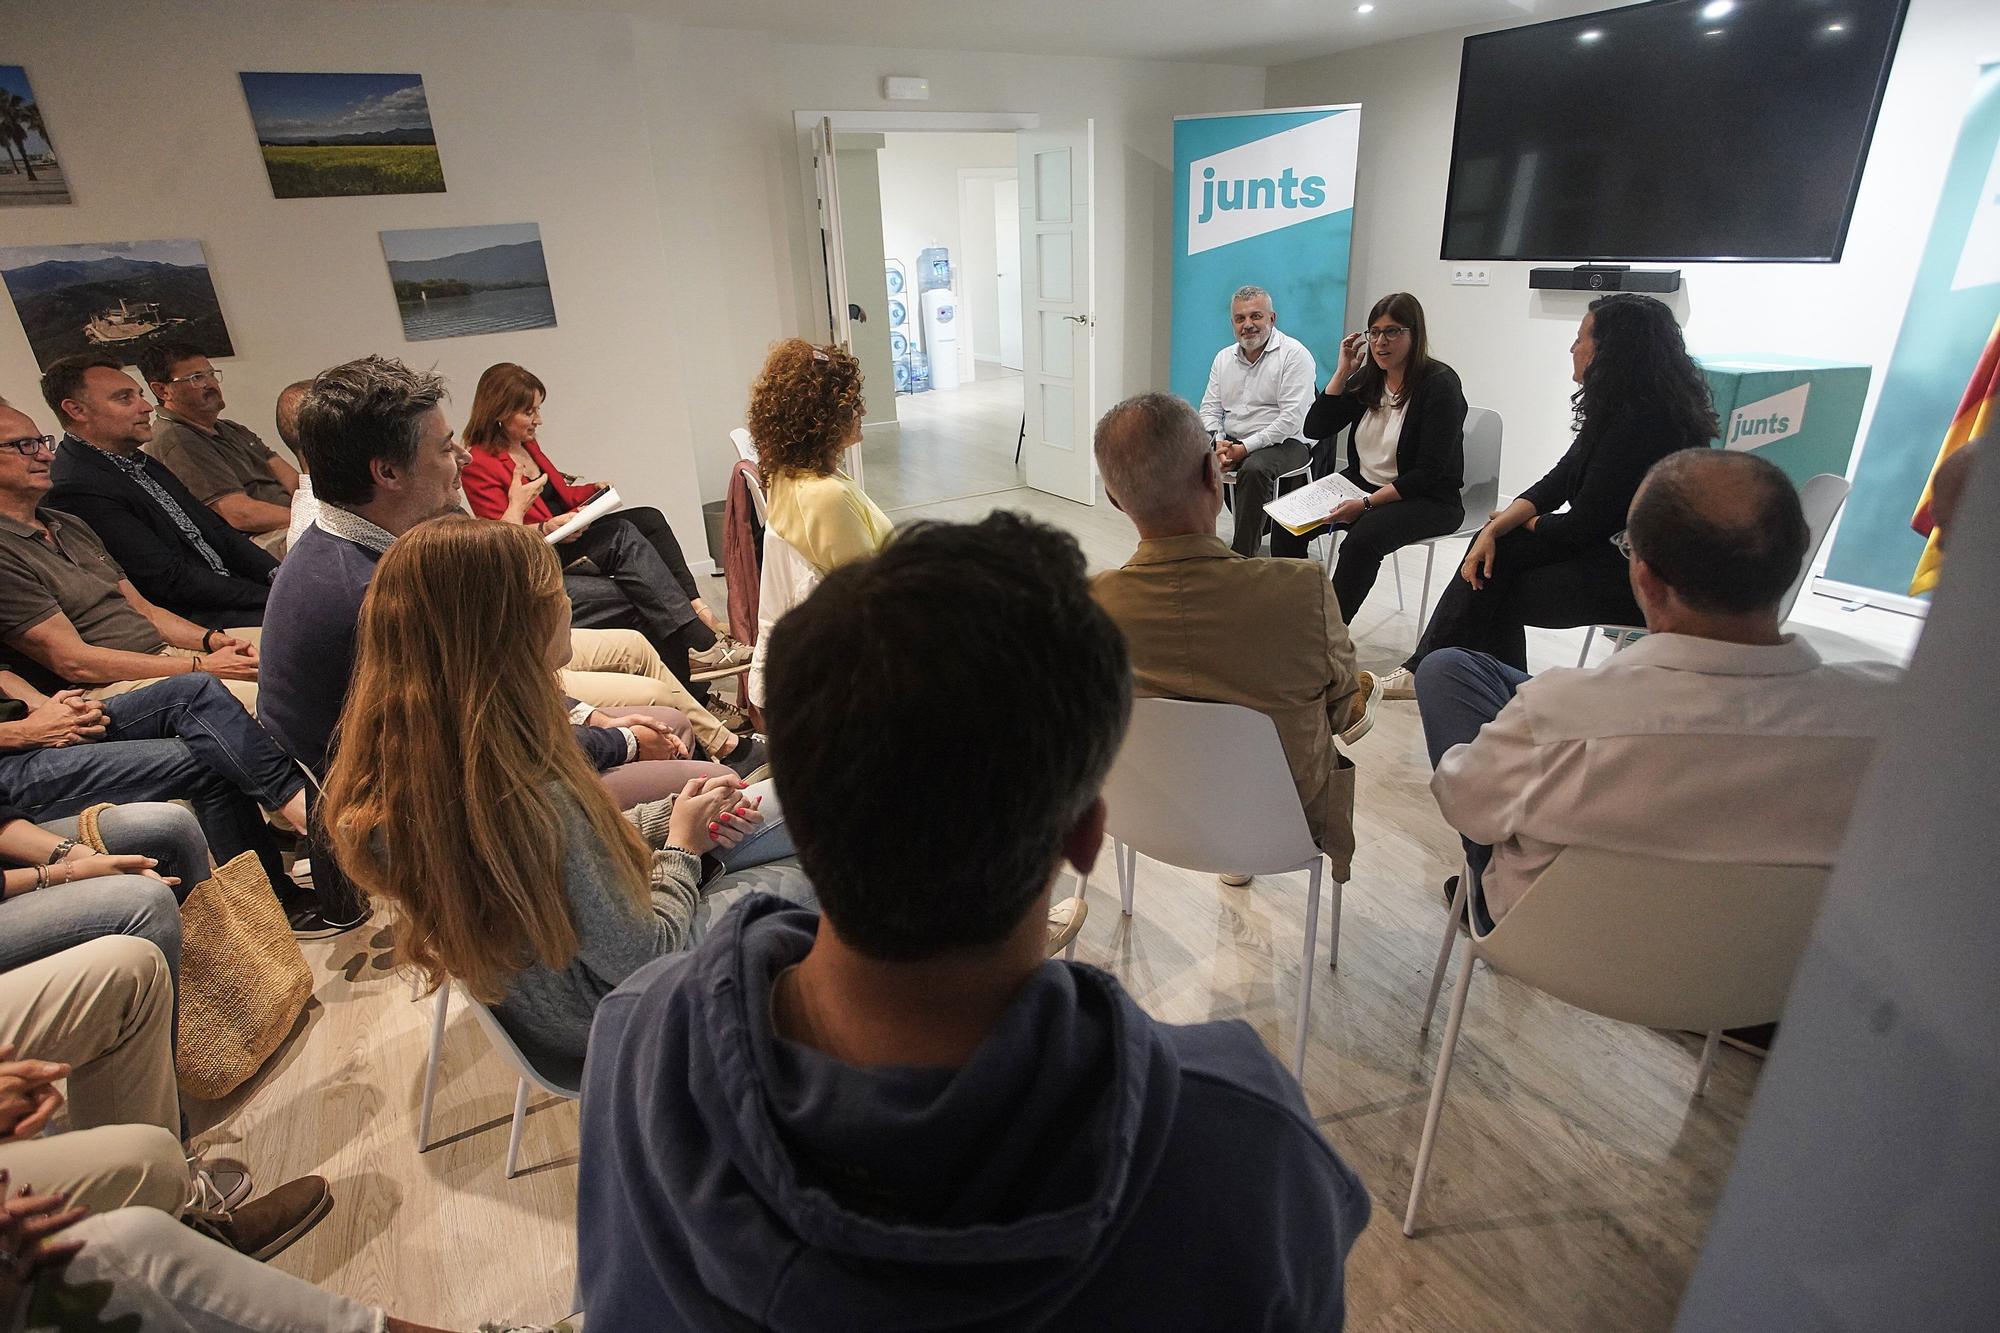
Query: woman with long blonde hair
(457, 793)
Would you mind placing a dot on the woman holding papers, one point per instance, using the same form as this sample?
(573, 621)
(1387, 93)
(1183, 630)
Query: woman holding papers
(1404, 415)
(509, 478)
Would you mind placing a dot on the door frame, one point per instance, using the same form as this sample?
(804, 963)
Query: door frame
(966, 175)
(875, 122)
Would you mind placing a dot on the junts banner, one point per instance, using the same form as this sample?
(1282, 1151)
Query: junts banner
(1951, 315)
(1266, 199)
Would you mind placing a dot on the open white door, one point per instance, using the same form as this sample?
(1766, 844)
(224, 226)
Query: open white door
(832, 243)
(1058, 309)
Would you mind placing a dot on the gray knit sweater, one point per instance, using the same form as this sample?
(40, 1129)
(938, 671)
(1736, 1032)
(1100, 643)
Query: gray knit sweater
(549, 1011)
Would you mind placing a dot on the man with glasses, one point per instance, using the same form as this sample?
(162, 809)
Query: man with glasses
(1717, 737)
(1259, 389)
(224, 463)
(177, 552)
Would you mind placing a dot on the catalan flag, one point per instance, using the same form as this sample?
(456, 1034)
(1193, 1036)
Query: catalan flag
(1978, 415)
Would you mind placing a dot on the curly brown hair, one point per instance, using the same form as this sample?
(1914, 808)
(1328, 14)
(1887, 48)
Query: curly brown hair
(803, 405)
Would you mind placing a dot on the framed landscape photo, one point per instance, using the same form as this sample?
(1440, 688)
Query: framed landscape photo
(117, 297)
(344, 134)
(29, 173)
(454, 282)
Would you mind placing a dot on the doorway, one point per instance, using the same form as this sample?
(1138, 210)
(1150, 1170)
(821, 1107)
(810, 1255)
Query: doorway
(933, 310)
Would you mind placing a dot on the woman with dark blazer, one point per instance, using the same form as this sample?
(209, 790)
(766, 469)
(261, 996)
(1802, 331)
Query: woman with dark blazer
(1547, 558)
(1404, 415)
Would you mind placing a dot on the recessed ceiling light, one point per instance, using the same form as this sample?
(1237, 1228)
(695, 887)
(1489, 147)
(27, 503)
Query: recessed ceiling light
(1718, 9)
(1364, 9)
(1836, 27)
(1713, 32)
(1590, 35)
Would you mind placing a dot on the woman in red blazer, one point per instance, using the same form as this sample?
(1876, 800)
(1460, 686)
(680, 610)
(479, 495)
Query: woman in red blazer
(510, 479)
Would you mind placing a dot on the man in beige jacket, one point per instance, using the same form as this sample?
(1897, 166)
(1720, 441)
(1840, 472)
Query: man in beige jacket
(1206, 623)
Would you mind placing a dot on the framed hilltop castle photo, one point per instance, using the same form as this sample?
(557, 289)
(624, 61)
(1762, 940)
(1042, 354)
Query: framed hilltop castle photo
(334, 134)
(116, 297)
(29, 173)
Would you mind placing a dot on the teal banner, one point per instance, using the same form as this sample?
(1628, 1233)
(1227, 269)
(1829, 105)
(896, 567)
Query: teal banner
(1952, 310)
(1261, 199)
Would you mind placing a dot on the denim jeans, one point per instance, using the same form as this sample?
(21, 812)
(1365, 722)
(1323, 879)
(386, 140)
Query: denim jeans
(1458, 692)
(48, 920)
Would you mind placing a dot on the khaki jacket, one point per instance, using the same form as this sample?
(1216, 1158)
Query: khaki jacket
(1205, 623)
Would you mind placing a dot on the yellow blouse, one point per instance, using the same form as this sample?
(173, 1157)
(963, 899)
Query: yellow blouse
(828, 520)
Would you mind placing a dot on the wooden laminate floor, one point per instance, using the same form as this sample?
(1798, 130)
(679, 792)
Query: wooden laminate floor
(1574, 1173)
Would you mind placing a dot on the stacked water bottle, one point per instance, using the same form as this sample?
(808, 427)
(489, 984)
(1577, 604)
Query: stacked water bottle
(913, 372)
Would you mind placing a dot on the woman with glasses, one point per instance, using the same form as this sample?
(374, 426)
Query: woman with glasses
(1404, 414)
(1639, 397)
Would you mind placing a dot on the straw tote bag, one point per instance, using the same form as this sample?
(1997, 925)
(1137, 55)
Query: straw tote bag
(243, 980)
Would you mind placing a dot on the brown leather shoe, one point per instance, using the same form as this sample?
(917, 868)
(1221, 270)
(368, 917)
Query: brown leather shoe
(265, 1226)
(1361, 708)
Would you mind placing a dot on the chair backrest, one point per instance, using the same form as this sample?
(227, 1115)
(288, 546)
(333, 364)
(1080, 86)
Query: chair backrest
(1821, 497)
(1480, 491)
(745, 449)
(757, 500)
(1667, 944)
(1205, 786)
(559, 1075)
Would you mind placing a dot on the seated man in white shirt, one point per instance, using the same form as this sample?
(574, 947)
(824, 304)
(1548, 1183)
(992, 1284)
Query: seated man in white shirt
(1259, 389)
(1715, 738)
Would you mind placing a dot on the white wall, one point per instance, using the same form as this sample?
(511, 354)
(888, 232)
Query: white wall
(1509, 344)
(979, 268)
(920, 206)
(164, 148)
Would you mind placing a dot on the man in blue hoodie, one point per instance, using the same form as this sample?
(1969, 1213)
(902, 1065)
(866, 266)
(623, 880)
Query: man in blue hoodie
(898, 1114)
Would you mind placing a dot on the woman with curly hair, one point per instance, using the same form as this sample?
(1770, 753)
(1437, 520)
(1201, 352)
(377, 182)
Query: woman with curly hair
(1639, 397)
(805, 412)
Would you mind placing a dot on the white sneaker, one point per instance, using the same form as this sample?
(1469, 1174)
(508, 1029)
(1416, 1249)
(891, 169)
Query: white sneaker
(1399, 684)
(1065, 920)
(1361, 709)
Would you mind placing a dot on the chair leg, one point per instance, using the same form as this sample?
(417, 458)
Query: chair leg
(1333, 953)
(431, 1071)
(1082, 891)
(1707, 1065)
(1396, 563)
(1438, 1083)
(1306, 966)
(1424, 598)
(1459, 910)
(1588, 635)
(1127, 859)
(520, 1122)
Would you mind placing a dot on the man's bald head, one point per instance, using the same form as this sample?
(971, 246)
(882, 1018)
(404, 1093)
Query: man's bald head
(1151, 450)
(14, 423)
(288, 413)
(1722, 530)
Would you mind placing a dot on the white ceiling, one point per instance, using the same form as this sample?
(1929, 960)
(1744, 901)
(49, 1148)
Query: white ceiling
(1245, 32)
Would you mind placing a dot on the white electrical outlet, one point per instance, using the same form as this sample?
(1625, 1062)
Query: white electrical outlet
(1469, 277)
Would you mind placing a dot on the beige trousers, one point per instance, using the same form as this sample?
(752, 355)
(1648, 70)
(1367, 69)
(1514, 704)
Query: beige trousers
(273, 541)
(244, 690)
(106, 1009)
(617, 668)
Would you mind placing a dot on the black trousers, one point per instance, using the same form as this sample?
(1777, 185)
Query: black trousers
(1376, 534)
(1256, 486)
(628, 586)
(1535, 582)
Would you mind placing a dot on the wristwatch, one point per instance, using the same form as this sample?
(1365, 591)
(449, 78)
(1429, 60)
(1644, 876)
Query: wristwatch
(63, 848)
(1367, 503)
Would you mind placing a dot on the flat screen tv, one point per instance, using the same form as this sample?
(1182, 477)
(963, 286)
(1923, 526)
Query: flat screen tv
(1675, 130)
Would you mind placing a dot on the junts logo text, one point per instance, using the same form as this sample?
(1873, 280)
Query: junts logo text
(1272, 183)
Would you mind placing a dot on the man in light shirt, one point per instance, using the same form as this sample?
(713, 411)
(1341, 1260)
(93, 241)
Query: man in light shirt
(1718, 737)
(1258, 391)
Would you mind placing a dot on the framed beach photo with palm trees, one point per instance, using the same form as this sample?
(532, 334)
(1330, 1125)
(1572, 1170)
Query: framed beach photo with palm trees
(28, 170)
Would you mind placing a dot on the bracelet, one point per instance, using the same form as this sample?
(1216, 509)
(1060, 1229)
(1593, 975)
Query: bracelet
(1367, 503)
(41, 877)
(63, 848)
(206, 646)
(194, 664)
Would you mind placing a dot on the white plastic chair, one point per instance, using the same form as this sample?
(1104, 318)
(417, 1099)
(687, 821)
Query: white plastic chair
(1681, 945)
(1821, 498)
(1479, 493)
(563, 1078)
(1205, 786)
(745, 448)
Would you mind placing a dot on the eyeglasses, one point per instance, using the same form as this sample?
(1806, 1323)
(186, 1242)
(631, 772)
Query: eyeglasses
(1623, 542)
(1388, 333)
(30, 445)
(199, 377)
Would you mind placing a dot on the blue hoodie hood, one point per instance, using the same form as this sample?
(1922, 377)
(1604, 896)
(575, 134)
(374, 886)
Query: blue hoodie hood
(733, 1179)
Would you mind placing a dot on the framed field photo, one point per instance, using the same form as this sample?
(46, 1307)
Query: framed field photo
(335, 134)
